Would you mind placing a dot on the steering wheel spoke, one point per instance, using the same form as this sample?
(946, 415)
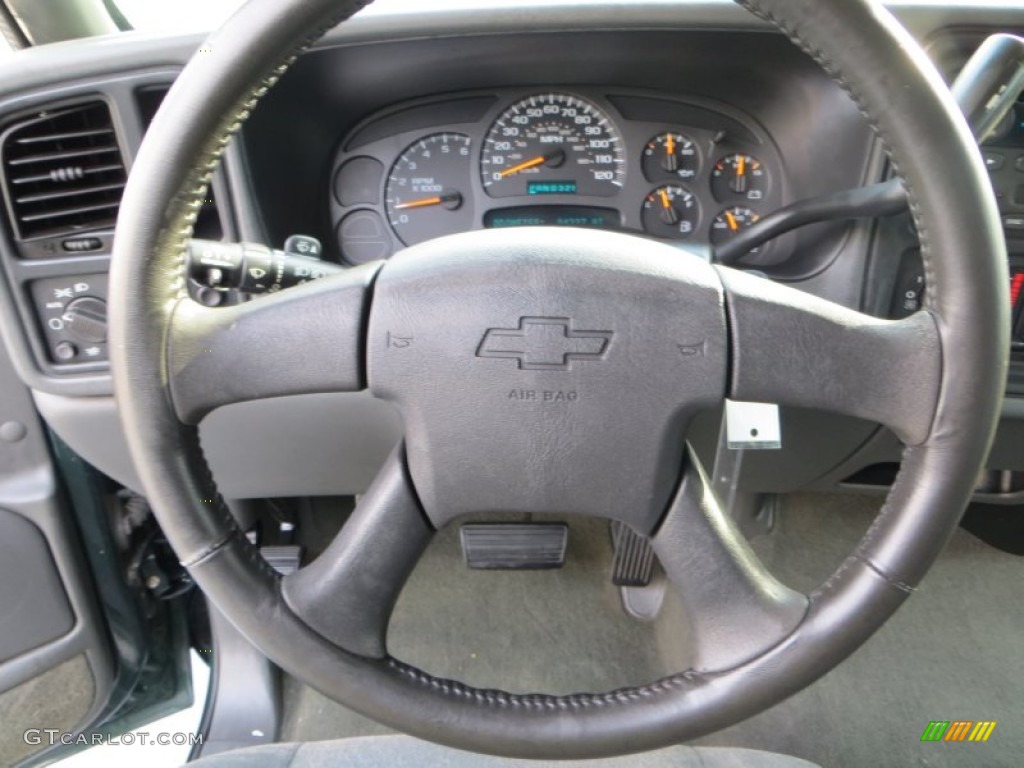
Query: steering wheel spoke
(736, 608)
(303, 340)
(791, 348)
(348, 593)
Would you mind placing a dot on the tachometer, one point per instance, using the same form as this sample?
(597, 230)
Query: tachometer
(425, 190)
(552, 144)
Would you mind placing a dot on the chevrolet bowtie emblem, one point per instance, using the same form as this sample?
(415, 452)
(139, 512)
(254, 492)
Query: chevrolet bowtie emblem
(544, 344)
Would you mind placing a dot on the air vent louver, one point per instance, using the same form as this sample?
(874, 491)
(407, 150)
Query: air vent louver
(63, 171)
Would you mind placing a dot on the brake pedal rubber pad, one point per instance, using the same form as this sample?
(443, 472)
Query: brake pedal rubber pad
(514, 546)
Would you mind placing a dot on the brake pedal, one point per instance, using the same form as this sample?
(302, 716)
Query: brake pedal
(514, 546)
(283, 559)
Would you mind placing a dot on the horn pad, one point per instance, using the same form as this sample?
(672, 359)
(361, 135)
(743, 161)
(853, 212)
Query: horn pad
(542, 370)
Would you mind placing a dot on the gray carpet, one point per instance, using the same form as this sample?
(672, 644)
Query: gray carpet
(955, 651)
(555, 631)
(403, 752)
(59, 698)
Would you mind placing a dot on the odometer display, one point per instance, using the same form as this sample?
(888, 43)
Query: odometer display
(586, 217)
(551, 188)
(552, 142)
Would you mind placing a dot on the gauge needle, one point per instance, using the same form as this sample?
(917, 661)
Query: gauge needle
(523, 166)
(419, 203)
(668, 213)
(740, 185)
(670, 162)
(450, 201)
(733, 224)
(552, 159)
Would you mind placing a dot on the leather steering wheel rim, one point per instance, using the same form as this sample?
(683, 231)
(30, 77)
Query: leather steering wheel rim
(966, 319)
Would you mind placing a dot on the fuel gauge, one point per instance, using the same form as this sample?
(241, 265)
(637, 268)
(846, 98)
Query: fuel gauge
(670, 156)
(670, 211)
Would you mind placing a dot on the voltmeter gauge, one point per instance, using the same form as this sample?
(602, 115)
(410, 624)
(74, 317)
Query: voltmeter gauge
(671, 156)
(739, 177)
(670, 211)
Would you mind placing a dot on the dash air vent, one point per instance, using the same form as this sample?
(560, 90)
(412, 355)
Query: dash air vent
(63, 171)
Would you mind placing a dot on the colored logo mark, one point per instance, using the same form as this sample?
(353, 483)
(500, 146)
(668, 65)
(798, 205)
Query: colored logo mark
(958, 730)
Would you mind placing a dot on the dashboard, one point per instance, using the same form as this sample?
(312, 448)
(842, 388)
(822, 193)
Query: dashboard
(681, 122)
(687, 171)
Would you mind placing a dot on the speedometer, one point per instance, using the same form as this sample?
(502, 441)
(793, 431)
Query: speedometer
(552, 144)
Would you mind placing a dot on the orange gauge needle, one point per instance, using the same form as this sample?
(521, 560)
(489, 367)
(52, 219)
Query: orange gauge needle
(524, 166)
(741, 166)
(551, 159)
(450, 200)
(665, 202)
(733, 224)
(420, 203)
(670, 144)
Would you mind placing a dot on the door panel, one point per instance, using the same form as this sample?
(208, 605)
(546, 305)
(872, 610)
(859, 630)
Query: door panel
(32, 598)
(55, 661)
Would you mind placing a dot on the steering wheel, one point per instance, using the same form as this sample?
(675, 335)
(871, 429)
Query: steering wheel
(620, 341)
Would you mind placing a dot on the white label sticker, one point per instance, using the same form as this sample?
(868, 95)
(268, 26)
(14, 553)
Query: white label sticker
(754, 426)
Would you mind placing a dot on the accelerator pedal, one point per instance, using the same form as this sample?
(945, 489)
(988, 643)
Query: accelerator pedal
(633, 565)
(641, 586)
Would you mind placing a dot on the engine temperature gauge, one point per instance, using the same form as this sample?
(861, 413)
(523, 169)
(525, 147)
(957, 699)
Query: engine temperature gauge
(739, 177)
(670, 211)
(670, 156)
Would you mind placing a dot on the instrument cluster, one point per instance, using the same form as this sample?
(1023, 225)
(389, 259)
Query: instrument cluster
(684, 171)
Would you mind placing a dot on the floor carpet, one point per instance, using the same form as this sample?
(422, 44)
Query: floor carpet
(955, 651)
